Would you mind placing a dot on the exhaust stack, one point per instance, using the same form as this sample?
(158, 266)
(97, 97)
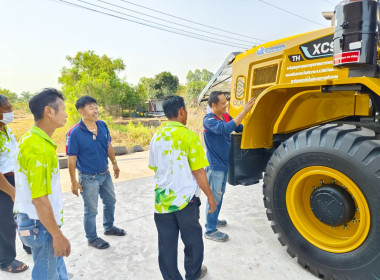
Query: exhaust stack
(356, 37)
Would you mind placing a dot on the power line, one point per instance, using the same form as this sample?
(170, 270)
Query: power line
(172, 22)
(192, 21)
(166, 26)
(141, 23)
(286, 11)
(329, 2)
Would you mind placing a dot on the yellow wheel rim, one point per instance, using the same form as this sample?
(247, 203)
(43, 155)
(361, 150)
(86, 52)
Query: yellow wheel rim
(340, 239)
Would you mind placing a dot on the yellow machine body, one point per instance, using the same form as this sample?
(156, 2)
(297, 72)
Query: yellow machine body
(287, 78)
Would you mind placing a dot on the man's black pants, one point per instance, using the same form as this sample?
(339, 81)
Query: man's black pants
(168, 225)
(7, 227)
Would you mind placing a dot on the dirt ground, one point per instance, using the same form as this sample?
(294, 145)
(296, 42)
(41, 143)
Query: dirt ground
(132, 166)
(252, 253)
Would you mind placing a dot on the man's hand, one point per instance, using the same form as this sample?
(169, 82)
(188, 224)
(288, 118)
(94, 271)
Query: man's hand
(12, 193)
(75, 186)
(61, 246)
(212, 203)
(6, 187)
(45, 214)
(116, 170)
(201, 178)
(248, 106)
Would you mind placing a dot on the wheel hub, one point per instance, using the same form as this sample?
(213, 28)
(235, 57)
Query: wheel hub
(332, 205)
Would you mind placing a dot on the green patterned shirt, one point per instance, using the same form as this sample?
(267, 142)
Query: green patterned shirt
(175, 151)
(37, 174)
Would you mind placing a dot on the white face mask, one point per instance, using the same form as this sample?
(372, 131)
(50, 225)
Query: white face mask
(7, 118)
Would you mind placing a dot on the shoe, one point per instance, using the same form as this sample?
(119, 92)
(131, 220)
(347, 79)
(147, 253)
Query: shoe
(203, 271)
(217, 236)
(98, 243)
(221, 223)
(115, 231)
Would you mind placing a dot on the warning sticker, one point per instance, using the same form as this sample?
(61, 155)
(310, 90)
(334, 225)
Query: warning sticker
(346, 57)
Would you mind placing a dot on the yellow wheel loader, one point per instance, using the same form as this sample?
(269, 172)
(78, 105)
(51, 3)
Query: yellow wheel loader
(314, 136)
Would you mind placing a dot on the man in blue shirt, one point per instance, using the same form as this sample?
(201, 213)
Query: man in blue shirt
(218, 125)
(88, 146)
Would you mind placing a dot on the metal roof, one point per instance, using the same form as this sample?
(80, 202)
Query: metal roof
(221, 81)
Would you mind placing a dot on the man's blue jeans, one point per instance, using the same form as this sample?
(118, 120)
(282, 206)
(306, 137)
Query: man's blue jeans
(217, 181)
(94, 185)
(35, 235)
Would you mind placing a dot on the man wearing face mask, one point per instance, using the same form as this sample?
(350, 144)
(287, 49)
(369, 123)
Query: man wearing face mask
(88, 146)
(8, 155)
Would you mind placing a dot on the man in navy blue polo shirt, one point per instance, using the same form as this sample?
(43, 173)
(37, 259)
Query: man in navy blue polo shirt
(218, 125)
(88, 146)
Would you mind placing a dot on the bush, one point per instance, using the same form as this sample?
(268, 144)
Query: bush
(131, 134)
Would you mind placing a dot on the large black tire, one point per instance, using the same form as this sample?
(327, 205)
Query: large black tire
(355, 152)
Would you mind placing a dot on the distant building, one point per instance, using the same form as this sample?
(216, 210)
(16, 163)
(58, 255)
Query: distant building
(155, 107)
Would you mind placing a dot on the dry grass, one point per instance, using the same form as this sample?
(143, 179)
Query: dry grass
(132, 133)
(195, 120)
(23, 122)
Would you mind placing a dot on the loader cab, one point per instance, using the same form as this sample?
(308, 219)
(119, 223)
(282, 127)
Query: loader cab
(221, 80)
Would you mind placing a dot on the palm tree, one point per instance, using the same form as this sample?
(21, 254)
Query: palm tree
(26, 95)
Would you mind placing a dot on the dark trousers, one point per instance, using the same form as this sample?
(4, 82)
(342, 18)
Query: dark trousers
(7, 227)
(168, 226)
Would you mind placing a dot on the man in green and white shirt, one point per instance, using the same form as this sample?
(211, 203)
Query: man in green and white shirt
(38, 174)
(8, 154)
(178, 159)
(38, 201)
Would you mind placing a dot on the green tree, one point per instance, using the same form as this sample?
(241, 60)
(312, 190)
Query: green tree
(181, 91)
(198, 75)
(131, 97)
(12, 96)
(147, 86)
(25, 96)
(94, 75)
(162, 85)
(195, 82)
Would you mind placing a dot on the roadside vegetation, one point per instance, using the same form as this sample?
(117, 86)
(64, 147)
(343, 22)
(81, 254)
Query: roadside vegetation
(99, 76)
(124, 132)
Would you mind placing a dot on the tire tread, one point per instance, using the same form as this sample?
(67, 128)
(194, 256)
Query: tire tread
(345, 138)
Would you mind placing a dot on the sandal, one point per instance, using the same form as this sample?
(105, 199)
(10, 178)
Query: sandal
(98, 243)
(15, 266)
(115, 231)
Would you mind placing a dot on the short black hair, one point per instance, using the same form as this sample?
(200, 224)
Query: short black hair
(171, 106)
(47, 97)
(83, 101)
(3, 98)
(214, 97)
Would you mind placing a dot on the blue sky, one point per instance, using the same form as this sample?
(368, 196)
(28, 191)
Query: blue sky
(37, 35)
